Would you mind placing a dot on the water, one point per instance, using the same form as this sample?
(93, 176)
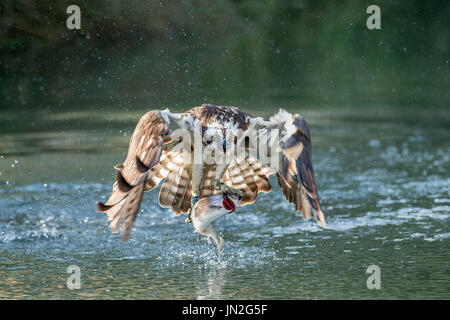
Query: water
(382, 177)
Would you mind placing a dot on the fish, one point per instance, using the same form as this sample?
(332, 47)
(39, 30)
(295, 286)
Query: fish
(209, 209)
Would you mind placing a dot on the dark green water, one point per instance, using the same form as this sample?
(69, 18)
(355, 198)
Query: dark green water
(382, 177)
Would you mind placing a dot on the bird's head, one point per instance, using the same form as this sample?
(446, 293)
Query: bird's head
(219, 138)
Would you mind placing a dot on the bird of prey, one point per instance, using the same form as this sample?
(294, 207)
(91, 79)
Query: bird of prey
(210, 150)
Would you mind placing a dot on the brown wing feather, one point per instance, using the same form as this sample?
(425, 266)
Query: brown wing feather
(155, 176)
(123, 212)
(146, 145)
(132, 178)
(296, 176)
(295, 194)
(249, 176)
(207, 177)
(175, 190)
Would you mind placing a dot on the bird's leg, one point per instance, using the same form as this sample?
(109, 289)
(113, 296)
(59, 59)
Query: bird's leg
(220, 170)
(197, 174)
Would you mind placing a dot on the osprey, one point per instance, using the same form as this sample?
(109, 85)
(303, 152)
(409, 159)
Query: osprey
(211, 150)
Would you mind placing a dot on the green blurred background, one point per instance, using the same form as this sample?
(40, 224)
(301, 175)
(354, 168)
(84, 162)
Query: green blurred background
(140, 54)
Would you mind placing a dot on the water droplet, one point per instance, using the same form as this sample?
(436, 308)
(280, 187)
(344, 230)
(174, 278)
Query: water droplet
(374, 143)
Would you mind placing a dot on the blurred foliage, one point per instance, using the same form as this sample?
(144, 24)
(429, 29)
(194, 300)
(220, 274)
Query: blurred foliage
(152, 54)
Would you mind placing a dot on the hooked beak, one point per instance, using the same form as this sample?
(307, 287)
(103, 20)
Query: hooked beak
(224, 144)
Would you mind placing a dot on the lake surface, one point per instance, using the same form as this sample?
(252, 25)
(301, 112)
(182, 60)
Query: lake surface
(383, 180)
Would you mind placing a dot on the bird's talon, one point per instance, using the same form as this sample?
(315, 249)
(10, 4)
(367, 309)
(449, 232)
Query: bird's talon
(188, 219)
(194, 200)
(233, 192)
(217, 185)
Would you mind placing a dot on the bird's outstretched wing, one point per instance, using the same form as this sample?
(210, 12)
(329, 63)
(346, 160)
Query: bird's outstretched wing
(152, 133)
(295, 172)
(145, 147)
